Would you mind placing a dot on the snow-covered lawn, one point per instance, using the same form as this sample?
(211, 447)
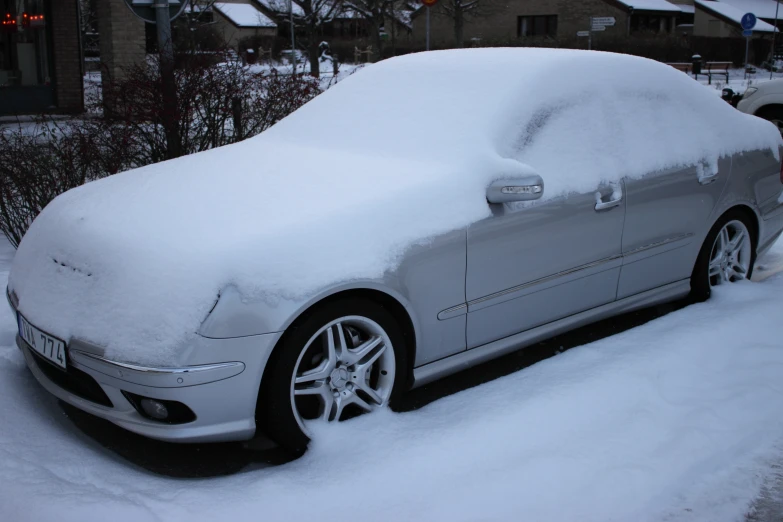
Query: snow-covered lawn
(679, 419)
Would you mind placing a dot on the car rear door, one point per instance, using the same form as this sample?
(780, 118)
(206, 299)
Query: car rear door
(533, 263)
(666, 216)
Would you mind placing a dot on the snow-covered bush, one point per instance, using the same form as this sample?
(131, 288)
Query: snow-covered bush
(213, 93)
(40, 160)
(219, 102)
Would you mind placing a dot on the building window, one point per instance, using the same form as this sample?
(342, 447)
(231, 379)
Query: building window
(650, 23)
(545, 25)
(24, 52)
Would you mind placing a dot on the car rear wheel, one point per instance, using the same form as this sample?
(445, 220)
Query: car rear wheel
(727, 255)
(343, 359)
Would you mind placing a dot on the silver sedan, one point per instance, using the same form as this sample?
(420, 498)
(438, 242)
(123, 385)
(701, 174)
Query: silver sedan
(532, 268)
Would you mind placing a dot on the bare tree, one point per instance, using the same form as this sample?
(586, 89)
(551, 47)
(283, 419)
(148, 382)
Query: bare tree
(316, 14)
(310, 16)
(458, 11)
(375, 12)
(378, 13)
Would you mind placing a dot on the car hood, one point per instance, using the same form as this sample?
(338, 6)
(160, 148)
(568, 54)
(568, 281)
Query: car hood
(134, 262)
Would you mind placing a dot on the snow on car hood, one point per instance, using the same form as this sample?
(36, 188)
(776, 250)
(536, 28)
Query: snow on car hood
(391, 156)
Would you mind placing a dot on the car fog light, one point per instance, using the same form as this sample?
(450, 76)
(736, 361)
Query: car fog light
(156, 410)
(161, 410)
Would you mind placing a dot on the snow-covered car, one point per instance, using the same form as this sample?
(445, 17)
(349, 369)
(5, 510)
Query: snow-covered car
(428, 213)
(764, 100)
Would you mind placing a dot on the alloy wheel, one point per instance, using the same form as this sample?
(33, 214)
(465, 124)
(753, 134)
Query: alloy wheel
(345, 369)
(731, 254)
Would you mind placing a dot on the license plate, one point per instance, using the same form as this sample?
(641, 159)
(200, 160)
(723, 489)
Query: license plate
(47, 346)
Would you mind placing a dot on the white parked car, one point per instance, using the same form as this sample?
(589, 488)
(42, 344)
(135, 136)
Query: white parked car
(764, 100)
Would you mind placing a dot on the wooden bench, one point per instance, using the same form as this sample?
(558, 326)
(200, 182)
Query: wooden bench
(717, 69)
(682, 66)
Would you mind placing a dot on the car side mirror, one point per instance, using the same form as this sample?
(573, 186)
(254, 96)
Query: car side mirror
(526, 188)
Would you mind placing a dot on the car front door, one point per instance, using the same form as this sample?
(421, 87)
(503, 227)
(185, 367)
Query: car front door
(536, 262)
(666, 214)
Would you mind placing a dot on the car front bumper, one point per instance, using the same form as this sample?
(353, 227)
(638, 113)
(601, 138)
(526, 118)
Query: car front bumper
(222, 395)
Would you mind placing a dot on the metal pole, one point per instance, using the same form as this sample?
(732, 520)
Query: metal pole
(590, 36)
(774, 34)
(166, 56)
(428, 28)
(293, 36)
(747, 46)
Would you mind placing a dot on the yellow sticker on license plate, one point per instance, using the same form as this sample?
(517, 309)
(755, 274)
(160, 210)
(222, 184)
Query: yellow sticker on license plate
(51, 348)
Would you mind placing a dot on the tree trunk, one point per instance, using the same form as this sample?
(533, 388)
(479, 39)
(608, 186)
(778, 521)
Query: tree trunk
(393, 31)
(459, 24)
(312, 55)
(377, 42)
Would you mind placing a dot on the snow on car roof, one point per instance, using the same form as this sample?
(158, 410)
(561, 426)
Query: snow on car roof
(734, 13)
(393, 155)
(244, 15)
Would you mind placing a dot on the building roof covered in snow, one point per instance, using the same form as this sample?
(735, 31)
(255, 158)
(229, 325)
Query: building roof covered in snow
(732, 14)
(243, 15)
(651, 5)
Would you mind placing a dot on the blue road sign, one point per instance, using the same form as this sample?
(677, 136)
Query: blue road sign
(748, 21)
(747, 32)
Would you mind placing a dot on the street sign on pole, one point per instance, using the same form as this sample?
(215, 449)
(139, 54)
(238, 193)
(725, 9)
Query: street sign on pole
(604, 20)
(147, 9)
(293, 36)
(427, 5)
(748, 21)
(598, 28)
(774, 34)
(160, 13)
(583, 33)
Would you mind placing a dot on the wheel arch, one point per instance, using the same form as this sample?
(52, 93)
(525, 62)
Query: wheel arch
(768, 107)
(394, 304)
(751, 215)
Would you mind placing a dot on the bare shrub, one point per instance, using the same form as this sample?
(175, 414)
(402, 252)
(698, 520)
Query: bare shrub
(220, 101)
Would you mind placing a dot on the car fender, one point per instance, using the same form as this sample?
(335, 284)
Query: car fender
(235, 316)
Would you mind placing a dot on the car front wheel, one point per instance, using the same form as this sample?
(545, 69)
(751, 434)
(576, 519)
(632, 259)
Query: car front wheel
(343, 359)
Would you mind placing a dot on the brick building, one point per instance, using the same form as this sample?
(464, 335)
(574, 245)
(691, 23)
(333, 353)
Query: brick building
(41, 67)
(527, 21)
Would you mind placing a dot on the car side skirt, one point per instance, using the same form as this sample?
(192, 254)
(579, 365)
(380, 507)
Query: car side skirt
(463, 360)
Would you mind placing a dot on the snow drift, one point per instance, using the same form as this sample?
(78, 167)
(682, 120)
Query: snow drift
(393, 155)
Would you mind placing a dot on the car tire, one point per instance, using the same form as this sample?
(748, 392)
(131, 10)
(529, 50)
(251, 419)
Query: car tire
(704, 277)
(773, 114)
(282, 414)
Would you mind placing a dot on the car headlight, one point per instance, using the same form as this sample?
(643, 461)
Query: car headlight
(749, 92)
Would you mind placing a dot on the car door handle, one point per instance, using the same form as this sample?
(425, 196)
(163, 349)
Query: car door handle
(706, 179)
(616, 199)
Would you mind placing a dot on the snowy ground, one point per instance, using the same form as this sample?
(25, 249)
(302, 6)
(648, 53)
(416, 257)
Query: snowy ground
(678, 419)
